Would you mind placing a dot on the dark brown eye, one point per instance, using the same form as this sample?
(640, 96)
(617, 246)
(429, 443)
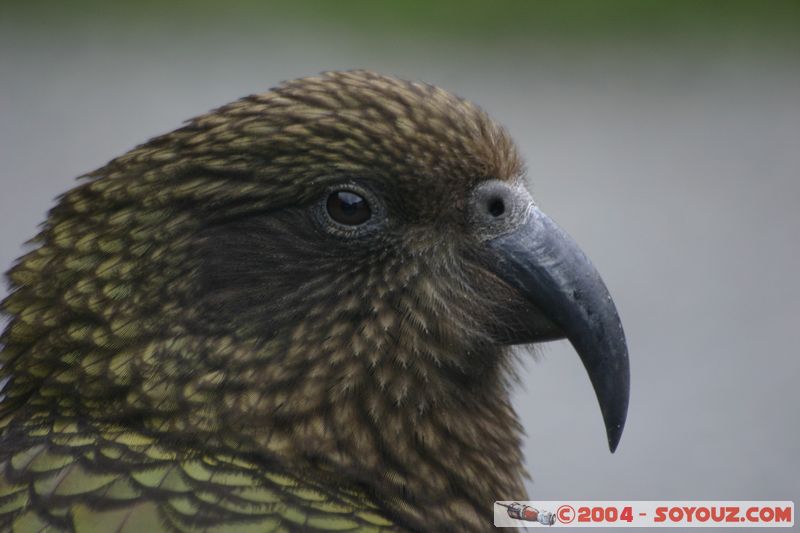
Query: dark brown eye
(348, 208)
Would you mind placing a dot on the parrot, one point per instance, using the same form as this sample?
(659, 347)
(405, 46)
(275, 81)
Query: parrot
(299, 311)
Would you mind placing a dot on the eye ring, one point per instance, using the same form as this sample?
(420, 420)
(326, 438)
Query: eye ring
(348, 208)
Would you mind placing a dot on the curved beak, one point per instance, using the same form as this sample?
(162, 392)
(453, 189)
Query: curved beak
(543, 263)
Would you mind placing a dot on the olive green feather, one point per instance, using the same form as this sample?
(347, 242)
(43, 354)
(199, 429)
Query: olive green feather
(186, 351)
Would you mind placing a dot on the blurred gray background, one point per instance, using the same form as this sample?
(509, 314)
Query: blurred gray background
(665, 136)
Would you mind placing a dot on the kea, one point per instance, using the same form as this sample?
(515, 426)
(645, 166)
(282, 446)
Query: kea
(297, 312)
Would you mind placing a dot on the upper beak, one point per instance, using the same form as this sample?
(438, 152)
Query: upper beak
(547, 267)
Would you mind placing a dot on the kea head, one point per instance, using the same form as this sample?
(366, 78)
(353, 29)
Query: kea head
(329, 274)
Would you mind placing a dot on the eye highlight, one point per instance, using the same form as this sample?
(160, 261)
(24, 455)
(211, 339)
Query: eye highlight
(348, 208)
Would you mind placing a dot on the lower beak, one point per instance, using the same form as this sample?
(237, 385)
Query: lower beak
(544, 264)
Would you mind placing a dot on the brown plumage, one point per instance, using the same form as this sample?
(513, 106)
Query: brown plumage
(198, 293)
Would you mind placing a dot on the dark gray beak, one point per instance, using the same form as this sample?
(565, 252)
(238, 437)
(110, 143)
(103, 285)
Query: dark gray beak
(543, 263)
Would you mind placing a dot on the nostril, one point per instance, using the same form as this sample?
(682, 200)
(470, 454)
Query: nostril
(496, 207)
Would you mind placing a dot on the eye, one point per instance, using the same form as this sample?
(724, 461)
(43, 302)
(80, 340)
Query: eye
(348, 208)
